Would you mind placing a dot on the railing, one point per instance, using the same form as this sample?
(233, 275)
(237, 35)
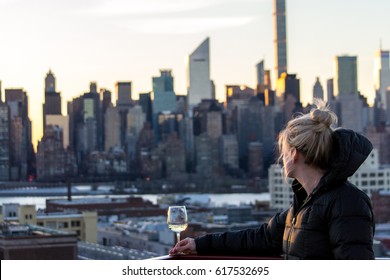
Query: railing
(197, 257)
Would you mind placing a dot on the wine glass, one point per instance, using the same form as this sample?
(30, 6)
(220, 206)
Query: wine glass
(177, 219)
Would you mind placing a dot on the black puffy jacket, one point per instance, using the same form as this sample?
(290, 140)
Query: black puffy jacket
(334, 222)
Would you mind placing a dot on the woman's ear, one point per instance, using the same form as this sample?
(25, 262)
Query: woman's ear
(294, 155)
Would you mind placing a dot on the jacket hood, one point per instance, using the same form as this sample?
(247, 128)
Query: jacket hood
(350, 150)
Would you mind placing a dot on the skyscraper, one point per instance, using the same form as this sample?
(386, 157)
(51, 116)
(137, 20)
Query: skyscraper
(280, 41)
(198, 74)
(145, 102)
(330, 90)
(164, 98)
(62, 122)
(50, 82)
(52, 105)
(318, 91)
(288, 94)
(351, 114)
(345, 75)
(382, 76)
(123, 103)
(4, 142)
(85, 124)
(92, 119)
(21, 150)
(269, 94)
(288, 84)
(53, 161)
(260, 77)
(124, 94)
(112, 128)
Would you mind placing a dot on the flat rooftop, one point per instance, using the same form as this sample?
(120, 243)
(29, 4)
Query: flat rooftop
(13, 229)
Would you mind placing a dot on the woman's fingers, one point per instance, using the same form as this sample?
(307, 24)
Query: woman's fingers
(186, 246)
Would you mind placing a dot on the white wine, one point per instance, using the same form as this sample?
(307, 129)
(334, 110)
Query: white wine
(177, 227)
(177, 219)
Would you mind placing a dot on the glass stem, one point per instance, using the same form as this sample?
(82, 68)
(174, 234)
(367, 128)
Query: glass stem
(178, 237)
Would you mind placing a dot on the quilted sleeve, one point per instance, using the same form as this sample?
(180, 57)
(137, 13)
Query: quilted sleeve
(264, 240)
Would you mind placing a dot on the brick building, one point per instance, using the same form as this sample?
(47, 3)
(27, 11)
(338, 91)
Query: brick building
(126, 207)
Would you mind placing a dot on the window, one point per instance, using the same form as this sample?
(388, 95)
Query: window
(51, 224)
(75, 223)
(63, 225)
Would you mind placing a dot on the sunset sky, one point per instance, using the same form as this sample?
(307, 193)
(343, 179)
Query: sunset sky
(127, 40)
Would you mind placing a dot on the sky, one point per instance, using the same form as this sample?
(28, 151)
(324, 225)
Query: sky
(106, 41)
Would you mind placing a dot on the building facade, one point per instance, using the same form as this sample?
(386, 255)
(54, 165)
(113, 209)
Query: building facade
(82, 223)
(382, 74)
(124, 94)
(198, 74)
(62, 122)
(280, 40)
(4, 142)
(52, 105)
(345, 75)
(370, 178)
(318, 91)
(22, 157)
(53, 161)
(29, 242)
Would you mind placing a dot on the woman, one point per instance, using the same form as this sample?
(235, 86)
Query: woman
(330, 218)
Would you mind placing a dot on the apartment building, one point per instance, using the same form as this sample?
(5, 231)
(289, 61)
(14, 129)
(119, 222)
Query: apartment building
(84, 223)
(370, 177)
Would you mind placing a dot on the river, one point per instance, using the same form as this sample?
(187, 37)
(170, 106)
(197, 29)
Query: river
(213, 199)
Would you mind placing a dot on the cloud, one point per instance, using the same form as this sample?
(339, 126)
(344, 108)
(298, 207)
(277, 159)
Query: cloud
(149, 7)
(184, 25)
(172, 16)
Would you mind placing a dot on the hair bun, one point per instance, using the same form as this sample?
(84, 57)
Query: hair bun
(322, 114)
(322, 117)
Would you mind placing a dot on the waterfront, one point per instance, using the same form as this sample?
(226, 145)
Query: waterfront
(214, 199)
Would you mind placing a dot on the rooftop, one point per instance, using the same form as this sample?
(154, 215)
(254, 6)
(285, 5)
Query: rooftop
(14, 229)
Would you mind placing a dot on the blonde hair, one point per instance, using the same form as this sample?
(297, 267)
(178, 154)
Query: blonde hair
(310, 134)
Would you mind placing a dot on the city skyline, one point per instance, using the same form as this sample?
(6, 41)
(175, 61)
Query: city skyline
(110, 41)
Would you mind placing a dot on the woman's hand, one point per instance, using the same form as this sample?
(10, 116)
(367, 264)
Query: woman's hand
(185, 246)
